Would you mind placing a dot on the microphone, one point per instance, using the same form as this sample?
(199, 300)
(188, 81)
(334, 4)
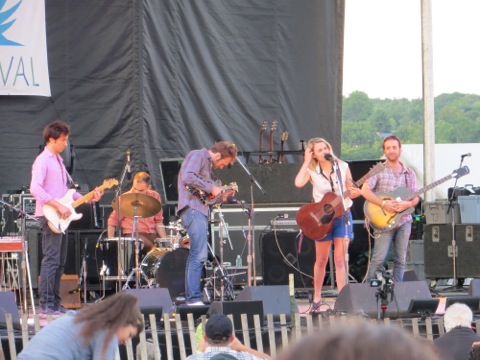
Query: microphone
(467, 154)
(328, 157)
(129, 168)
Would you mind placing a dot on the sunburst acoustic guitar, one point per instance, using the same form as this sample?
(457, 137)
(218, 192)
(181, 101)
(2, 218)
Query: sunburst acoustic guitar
(382, 220)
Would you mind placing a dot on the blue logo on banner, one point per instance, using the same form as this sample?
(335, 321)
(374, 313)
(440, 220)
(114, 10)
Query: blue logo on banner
(4, 26)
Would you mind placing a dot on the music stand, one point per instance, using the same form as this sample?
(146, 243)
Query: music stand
(473, 302)
(423, 307)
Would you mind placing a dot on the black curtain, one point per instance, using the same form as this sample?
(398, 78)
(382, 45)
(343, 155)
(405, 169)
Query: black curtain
(162, 77)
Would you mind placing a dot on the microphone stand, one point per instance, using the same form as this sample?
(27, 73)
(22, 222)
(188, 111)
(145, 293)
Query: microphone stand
(451, 206)
(347, 220)
(118, 199)
(251, 227)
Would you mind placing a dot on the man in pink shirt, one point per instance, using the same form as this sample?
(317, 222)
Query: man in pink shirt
(148, 228)
(49, 183)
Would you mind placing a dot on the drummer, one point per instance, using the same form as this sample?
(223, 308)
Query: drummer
(148, 228)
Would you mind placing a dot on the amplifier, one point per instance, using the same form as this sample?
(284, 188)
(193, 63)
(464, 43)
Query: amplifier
(284, 224)
(28, 204)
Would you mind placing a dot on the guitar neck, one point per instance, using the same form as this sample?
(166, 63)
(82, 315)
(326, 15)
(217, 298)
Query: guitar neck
(428, 187)
(87, 197)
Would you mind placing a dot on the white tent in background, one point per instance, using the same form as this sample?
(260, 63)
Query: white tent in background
(447, 159)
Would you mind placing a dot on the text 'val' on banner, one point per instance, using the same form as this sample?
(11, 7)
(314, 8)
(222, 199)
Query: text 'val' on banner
(23, 48)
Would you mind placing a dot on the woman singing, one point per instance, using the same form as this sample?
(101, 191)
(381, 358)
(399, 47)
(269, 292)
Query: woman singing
(318, 169)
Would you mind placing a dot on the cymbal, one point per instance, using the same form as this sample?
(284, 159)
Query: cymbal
(137, 204)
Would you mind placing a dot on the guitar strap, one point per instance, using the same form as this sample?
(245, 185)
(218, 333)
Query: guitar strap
(69, 178)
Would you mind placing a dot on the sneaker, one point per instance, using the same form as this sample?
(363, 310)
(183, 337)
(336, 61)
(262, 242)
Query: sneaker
(62, 309)
(196, 303)
(47, 311)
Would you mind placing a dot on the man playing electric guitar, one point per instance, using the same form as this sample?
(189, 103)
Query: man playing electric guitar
(49, 183)
(196, 173)
(393, 176)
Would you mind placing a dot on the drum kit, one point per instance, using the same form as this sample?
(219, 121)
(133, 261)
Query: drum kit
(164, 265)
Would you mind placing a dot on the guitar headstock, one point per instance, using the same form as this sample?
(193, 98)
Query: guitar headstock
(263, 126)
(284, 136)
(464, 170)
(108, 183)
(273, 125)
(376, 169)
(234, 186)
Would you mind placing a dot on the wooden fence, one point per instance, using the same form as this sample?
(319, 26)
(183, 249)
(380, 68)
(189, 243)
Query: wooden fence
(279, 334)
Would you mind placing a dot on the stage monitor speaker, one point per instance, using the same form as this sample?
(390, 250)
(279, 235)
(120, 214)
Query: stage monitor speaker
(153, 301)
(8, 305)
(474, 288)
(275, 298)
(275, 267)
(236, 309)
(360, 299)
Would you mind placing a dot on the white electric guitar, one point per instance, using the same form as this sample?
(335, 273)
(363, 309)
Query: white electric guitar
(55, 222)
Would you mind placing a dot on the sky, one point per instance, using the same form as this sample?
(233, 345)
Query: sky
(382, 51)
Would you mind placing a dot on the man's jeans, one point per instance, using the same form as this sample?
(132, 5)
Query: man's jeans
(400, 237)
(196, 225)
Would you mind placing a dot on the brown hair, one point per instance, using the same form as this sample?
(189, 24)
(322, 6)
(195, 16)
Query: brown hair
(225, 149)
(359, 340)
(142, 175)
(311, 144)
(391, 137)
(55, 129)
(111, 314)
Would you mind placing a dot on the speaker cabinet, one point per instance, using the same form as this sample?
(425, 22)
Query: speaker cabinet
(8, 305)
(153, 301)
(439, 251)
(361, 299)
(280, 252)
(236, 309)
(275, 298)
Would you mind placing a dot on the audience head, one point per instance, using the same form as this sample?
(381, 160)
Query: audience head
(218, 330)
(359, 340)
(118, 315)
(457, 315)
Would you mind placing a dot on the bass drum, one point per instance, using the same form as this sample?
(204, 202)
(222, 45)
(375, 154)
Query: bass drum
(170, 272)
(149, 261)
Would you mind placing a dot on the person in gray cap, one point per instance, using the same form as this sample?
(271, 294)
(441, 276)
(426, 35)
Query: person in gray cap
(219, 343)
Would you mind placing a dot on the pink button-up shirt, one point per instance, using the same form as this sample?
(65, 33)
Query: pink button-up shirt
(49, 180)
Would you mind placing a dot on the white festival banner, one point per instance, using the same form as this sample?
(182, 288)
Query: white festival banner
(23, 48)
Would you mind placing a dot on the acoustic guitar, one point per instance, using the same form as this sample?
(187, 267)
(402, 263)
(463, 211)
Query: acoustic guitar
(316, 219)
(55, 222)
(382, 220)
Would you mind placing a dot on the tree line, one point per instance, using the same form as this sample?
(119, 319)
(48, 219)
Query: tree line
(367, 121)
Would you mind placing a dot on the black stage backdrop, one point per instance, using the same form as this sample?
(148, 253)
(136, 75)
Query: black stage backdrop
(166, 76)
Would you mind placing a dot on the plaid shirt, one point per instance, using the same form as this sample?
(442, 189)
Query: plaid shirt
(386, 182)
(195, 172)
(213, 350)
